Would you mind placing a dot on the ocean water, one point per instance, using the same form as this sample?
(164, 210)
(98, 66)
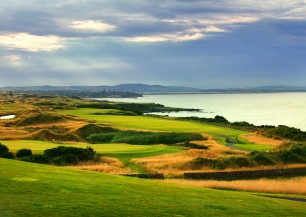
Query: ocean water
(258, 108)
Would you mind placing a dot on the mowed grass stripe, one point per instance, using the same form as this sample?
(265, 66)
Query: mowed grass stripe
(38, 190)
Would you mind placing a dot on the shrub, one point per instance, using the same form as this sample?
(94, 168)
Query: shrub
(261, 158)
(202, 162)
(144, 138)
(23, 153)
(232, 162)
(64, 155)
(103, 138)
(3, 149)
(192, 145)
(287, 156)
(287, 133)
(8, 155)
(67, 159)
(36, 158)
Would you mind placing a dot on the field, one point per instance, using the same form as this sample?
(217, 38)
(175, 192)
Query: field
(37, 190)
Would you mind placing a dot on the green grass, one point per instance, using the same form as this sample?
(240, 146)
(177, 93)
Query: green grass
(39, 190)
(123, 152)
(152, 123)
(246, 145)
(254, 147)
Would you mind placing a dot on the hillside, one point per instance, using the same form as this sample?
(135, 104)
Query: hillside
(37, 190)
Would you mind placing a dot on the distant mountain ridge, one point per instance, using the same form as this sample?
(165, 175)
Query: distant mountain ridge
(147, 89)
(136, 88)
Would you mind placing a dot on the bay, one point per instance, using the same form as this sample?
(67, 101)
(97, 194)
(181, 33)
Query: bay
(256, 108)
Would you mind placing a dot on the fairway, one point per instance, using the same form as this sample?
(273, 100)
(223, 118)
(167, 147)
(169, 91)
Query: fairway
(151, 123)
(124, 152)
(28, 189)
(254, 147)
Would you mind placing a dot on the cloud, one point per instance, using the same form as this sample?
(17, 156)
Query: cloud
(12, 58)
(32, 43)
(208, 29)
(91, 25)
(178, 37)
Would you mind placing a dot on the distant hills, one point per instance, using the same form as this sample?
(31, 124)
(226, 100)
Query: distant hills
(134, 88)
(147, 89)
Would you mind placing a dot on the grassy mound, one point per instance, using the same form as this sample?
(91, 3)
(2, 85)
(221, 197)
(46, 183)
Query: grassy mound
(41, 118)
(93, 129)
(46, 135)
(108, 195)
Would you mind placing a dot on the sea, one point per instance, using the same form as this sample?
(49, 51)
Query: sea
(256, 108)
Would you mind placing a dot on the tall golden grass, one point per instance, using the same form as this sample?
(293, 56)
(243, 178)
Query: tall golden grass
(257, 138)
(177, 164)
(106, 165)
(283, 186)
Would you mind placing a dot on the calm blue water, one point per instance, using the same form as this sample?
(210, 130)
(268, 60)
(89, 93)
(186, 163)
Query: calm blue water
(264, 108)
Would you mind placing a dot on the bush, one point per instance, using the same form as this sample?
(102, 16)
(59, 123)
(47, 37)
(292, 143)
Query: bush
(232, 162)
(287, 156)
(287, 133)
(8, 155)
(64, 155)
(202, 162)
(67, 159)
(261, 158)
(23, 153)
(192, 145)
(144, 138)
(3, 149)
(36, 158)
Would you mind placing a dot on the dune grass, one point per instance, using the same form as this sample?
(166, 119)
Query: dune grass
(39, 190)
(295, 185)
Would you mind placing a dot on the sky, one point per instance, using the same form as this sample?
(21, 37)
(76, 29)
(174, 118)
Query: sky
(203, 44)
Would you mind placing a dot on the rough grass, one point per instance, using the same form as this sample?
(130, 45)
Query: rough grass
(90, 129)
(106, 165)
(38, 190)
(178, 163)
(257, 138)
(284, 186)
(46, 135)
(42, 118)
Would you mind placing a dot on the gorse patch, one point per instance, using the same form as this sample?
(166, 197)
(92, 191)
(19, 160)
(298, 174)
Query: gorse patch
(144, 138)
